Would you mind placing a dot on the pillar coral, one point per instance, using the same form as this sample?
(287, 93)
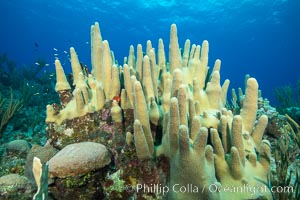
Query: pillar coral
(179, 116)
(91, 90)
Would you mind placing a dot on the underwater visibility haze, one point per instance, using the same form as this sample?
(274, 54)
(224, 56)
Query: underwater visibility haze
(249, 36)
(114, 121)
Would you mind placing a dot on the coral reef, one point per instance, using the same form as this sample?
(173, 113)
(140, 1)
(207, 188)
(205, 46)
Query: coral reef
(276, 121)
(7, 109)
(21, 116)
(288, 98)
(285, 173)
(165, 124)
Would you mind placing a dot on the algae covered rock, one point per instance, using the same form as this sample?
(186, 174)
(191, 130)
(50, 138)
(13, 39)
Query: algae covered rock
(44, 153)
(14, 186)
(18, 147)
(78, 159)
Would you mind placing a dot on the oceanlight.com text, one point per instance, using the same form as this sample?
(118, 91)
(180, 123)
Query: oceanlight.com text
(213, 188)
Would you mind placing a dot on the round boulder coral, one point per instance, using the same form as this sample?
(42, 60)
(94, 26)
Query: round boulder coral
(78, 159)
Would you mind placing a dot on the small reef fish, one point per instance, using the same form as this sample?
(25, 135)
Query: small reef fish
(36, 94)
(37, 63)
(65, 52)
(85, 69)
(47, 65)
(54, 49)
(55, 54)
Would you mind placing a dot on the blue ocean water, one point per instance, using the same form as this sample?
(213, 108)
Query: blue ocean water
(259, 37)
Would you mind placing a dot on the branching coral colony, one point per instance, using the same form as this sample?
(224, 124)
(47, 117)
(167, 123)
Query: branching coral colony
(170, 128)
